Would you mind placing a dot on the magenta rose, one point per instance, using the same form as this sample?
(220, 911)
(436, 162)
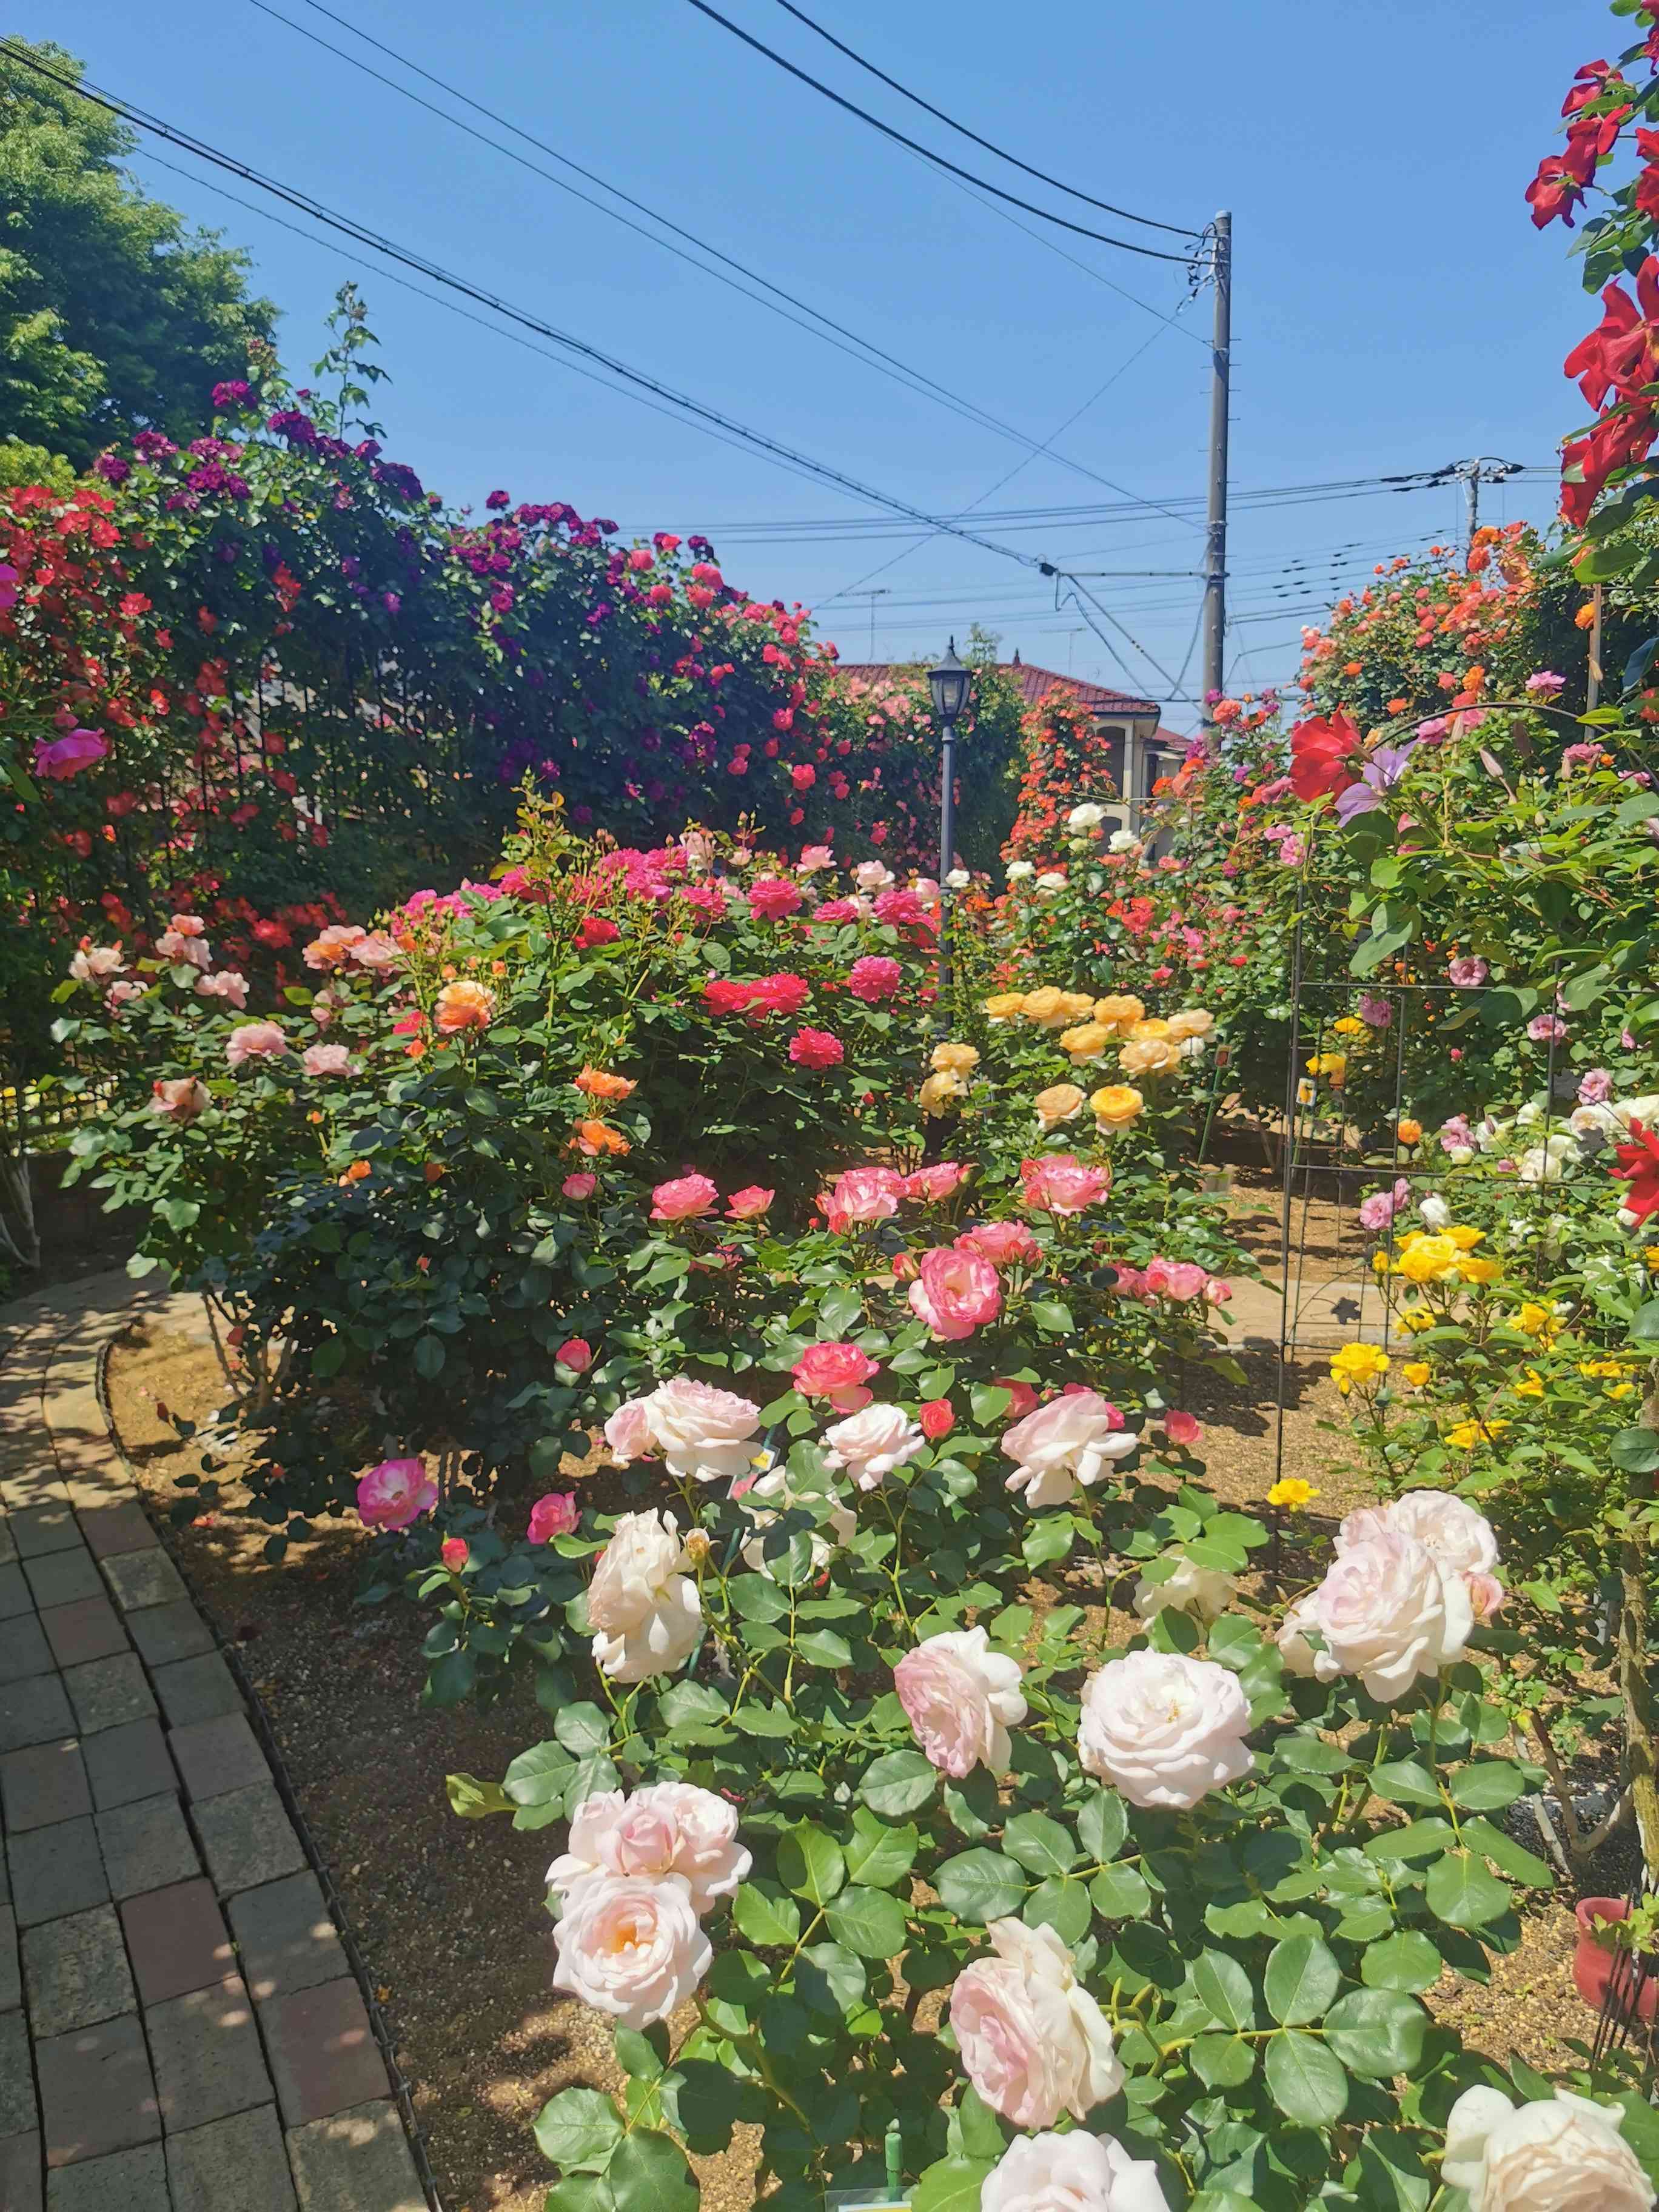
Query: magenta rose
(395, 1493)
(874, 978)
(555, 1515)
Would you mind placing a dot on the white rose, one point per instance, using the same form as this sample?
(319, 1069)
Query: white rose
(1163, 1728)
(961, 1699)
(1073, 2172)
(1561, 2155)
(1086, 817)
(631, 1946)
(1034, 2043)
(1389, 1611)
(1299, 1656)
(1068, 1442)
(871, 1443)
(959, 880)
(1018, 871)
(704, 1434)
(669, 1827)
(1450, 1528)
(1123, 840)
(1050, 884)
(771, 1494)
(1547, 1163)
(1435, 1211)
(1205, 1592)
(872, 876)
(645, 1614)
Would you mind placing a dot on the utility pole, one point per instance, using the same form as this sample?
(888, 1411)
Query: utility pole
(881, 592)
(1485, 468)
(1215, 547)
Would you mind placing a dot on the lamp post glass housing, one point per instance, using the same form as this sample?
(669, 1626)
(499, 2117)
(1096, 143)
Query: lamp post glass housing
(949, 684)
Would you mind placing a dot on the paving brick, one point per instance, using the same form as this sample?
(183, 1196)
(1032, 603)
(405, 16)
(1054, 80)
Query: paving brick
(76, 1972)
(144, 1579)
(234, 2166)
(131, 2181)
(55, 1870)
(120, 1526)
(20, 2173)
(214, 1756)
(34, 1712)
(89, 1629)
(29, 1480)
(109, 1692)
(248, 1837)
(8, 1541)
(146, 1845)
(11, 1972)
(45, 1784)
(176, 1939)
(61, 1577)
(40, 1528)
(197, 1689)
(23, 1648)
(16, 1596)
(208, 2059)
(127, 1762)
(286, 1937)
(16, 2076)
(96, 2090)
(355, 2162)
(165, 1633)
(324, 2057)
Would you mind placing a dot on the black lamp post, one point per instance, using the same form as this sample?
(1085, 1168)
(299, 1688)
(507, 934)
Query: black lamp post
(949, 684)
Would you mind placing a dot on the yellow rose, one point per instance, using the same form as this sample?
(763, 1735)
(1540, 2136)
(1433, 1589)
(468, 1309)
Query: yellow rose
(1190, 1022)
(1148, 1056)
(1119, 1012)
(1149, 1026)
(1060, 1102)
(1117, 1105)
(940, 1093)
(1464, 1436)
(1415, 1320)
(954, 1059)
(1416, 1372)
(1045, 1008)
(1348, 1027)
(1479, 1271)
(1357, 1363)
(1087, 1041)
(1534, 1320)
(1621, 1389)
(1077, 1006)
(1464, 1238)
(1424, 1259)
(1004, 1006)
(1531, 1385)
(1291, 1491)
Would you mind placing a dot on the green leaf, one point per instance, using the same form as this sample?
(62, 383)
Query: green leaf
(830, 1981)
(578, 2129)
(539, 1775)
(822, 1647)
(951, 2185)
(643, 2057)
(1405, 1782)
(1302, 1977)
(1222, 1988)
(1377, 2033)
(1490, 1785)
(989, 1401)
(868, 1921)
(1223, 2062)
(878, 1855)
(810, 1863)
(582, 1729)
(1052, 1316)
(1120, 1892)
(472, 1800)
(1406, 1961)
(1049, 1537)
(1393, 2177)
(647, 2172)
(580, 2192)
(1305, 2080)
(1636, 1450)
(977, 2127)
(428, 1357)
(764, 1916)
(1041, 1845)
(1507, 1855)
(1062, 1905)
(1463, 1893)
(982, 1886)
(899, 1783)
(1103, 1824)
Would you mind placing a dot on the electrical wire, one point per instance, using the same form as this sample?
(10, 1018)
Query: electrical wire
(1100, 238)
(1179, 230)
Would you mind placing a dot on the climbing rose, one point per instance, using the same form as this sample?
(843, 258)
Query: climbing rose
(631, 1947)
(1069, 1442)
(645, 1614)
(1074, 2173)
(1164, 1730)
(333, 947)
(666, 1828)
(227, 985)
(837, 1372)
(395, 1493)
(555, 1515)
(871, 1444)
(94, 961)
(1034, 2043)
(254, 1041)
(961, 1699)
(683, 1198)
(1564, 2154)
(958, 1292)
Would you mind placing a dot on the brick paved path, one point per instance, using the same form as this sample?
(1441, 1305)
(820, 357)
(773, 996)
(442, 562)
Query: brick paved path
(179, 2031)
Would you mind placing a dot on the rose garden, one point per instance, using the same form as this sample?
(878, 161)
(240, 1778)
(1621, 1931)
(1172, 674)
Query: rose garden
(767, 1371)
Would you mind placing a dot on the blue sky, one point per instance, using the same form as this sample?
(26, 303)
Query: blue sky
(1394, 308)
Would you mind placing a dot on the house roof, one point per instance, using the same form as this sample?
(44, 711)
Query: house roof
(1035, 684)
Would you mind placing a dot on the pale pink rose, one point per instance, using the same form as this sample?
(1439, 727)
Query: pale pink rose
(1180, 1279)
(395, 1493)
(557, 1514)
(579, 1187)
(931, 1184)
(1163, 1728)
(666, 1828)
(187, 925)
(872, 876)
(119, 994)
(957, 1292)
(180, 1097)
(1074, 2173)
(1034, 2043)
(631, 1947)
(1459, 1536)
(705, 1435)
(94, 961)
(1487, 1594)
(812, 857)
(961, 1699)
(629, 1434)
(254, 1041)
(837, 1372)
(870, 1444)
(1563, 2154)
(1389, 1610)
(374, 953)
(1299, 1656)
(333, 948)
(1060, 1184)
(1182, 1429)
(1204, 1592)
(645, 1614)
(1066, 1444)
(193, 951)
(683, 1198)
(750, 1203)
(1217, 1292)
(862, 1195)
(1004, 1243)
(227, 985)
(326, 1059)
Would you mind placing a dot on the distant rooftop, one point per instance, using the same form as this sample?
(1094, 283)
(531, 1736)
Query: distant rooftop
(1035, 684)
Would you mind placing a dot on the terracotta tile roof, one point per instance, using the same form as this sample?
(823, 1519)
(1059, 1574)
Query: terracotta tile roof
(1035, 684)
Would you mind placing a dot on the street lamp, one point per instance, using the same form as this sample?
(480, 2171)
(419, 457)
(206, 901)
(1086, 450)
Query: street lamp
(949, 684)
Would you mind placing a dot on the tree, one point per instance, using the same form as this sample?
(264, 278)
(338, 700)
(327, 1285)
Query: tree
(115, 315)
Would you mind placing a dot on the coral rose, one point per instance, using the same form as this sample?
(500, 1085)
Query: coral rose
(1163, 1728)
(932, 1184)
(600, 1083)
(464, 1006)
(961, 1699)
(631, 1947)
(749, 1203)
(331, 950)
(957, 1293)
(179, 1098)
(597, 1137)
(1034, 2043)
(837, 1372)
(683, 1198)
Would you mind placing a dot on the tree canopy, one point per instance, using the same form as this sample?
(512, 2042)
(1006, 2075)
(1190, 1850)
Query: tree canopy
(115, 314)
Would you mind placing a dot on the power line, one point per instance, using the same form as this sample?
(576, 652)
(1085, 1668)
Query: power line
(1106, 206)
(1100, 238)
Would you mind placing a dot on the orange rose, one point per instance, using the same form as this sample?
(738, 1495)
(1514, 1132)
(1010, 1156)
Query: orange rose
(600, 1083)
(594, 1137)
(463, 1007)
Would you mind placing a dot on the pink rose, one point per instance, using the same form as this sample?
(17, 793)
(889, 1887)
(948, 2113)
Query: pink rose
(1179, 1280)
(576, 1354)
(816, 1048)
(862, 1195)
(772, 898)
(750, 1203)
(814, 857)
(1034, 2043)
(187, 925)
(961, 1699)
(326, 1059)
(666, 1828)
(837, 1372)
(1074, 2173)
(683, 1198)
(254, 1041)
(180, 1097)
(874, 978)
(579, 1187)
(1004, 1243)
(557, 1514)
(931, 1184)
(395, 1493)
(1389, 1610)
(705, 1435)
(1164, 1730)
(1068, 1444)
(332, 948)
(631, 1947)
(1022, 1398)
(187, 947)
(838, 909)
(957, 1292)
(227, 985)
(375, 953)
(119, 994)
(1060, 1184)
(94, 961)
(454, 1554)
(629, 1433)
(1182, 1429)
(60, 758)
